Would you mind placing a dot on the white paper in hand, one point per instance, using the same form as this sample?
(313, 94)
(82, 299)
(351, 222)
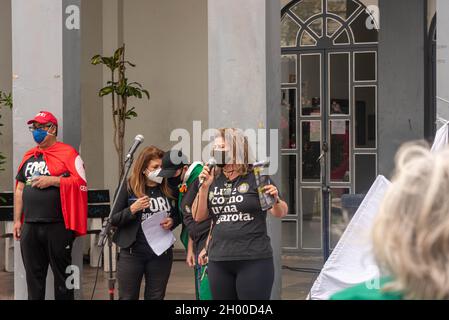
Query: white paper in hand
(159, 239)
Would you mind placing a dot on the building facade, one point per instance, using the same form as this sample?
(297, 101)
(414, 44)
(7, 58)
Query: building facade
(345, 82)
(358, 79)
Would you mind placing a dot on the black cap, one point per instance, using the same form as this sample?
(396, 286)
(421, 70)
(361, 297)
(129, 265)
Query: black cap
(172, 161)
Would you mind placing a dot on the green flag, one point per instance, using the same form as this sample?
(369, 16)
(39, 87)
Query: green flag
(192, 174)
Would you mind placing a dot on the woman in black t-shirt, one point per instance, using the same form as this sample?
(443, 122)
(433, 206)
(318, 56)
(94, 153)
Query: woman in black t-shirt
(145, 196)
(240, 256)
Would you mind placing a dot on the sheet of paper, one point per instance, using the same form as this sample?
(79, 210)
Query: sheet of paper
(338, 127)
(315, 131)
(160, 240)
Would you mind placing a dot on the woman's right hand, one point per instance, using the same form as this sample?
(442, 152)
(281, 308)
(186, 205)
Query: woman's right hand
(190, 259)
(140, 204)
(17, 230)
(207, 176)
(202, 258)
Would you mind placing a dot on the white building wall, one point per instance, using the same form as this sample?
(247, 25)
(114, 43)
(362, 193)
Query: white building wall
(443, 59)
(167, 40)
(6, 177)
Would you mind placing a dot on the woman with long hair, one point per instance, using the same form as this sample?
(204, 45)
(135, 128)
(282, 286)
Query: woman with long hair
(146, 194)
(411, 231)
(239, 253)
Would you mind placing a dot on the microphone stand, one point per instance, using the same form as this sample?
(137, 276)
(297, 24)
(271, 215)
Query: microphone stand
(107, 232)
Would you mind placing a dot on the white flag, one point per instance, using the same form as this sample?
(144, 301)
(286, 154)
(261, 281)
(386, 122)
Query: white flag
(352, 262)
(441, 138)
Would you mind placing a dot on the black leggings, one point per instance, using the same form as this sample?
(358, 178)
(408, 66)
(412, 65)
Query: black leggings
(138, 262)
(241, 280)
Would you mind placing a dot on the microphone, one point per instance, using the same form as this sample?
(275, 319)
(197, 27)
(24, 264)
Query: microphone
(137, 141)
(212, 163)
(105, 233)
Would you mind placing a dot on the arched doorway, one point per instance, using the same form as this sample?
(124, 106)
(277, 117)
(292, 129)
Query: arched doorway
(329, 114)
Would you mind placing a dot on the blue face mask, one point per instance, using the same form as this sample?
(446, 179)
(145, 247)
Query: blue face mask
(39, 135)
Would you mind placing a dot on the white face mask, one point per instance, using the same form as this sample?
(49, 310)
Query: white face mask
(152, 176)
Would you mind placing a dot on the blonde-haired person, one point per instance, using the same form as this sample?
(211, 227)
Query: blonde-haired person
(411, 231)
(146, 194)
(240, 257)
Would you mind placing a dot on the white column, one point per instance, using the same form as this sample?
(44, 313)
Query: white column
(244, 77)
(6, 258)
(46, 55)
(112, 40)
(9, 248)
(443, 59)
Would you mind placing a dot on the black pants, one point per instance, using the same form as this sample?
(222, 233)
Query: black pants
(241, 280)
(42, 244)
(141, 261)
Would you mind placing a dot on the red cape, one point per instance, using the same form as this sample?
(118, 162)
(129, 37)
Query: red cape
(62, 158)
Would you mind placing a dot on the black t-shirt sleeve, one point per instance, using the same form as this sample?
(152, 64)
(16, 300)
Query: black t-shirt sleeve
(190, 196)
(174, 212)
(186, 207)
(198, 231)
(21, 176)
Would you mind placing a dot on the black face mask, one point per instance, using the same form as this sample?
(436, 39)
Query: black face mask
(223, 157)
(176, 181)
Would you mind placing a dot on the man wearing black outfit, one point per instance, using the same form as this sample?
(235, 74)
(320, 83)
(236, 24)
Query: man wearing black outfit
(44, 239)
(45, 225)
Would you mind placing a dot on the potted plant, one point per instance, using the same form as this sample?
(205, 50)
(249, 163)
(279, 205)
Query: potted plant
(121, 90)
(5, 101)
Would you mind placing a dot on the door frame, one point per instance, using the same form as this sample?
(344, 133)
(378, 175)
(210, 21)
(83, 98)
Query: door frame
(326, 184)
